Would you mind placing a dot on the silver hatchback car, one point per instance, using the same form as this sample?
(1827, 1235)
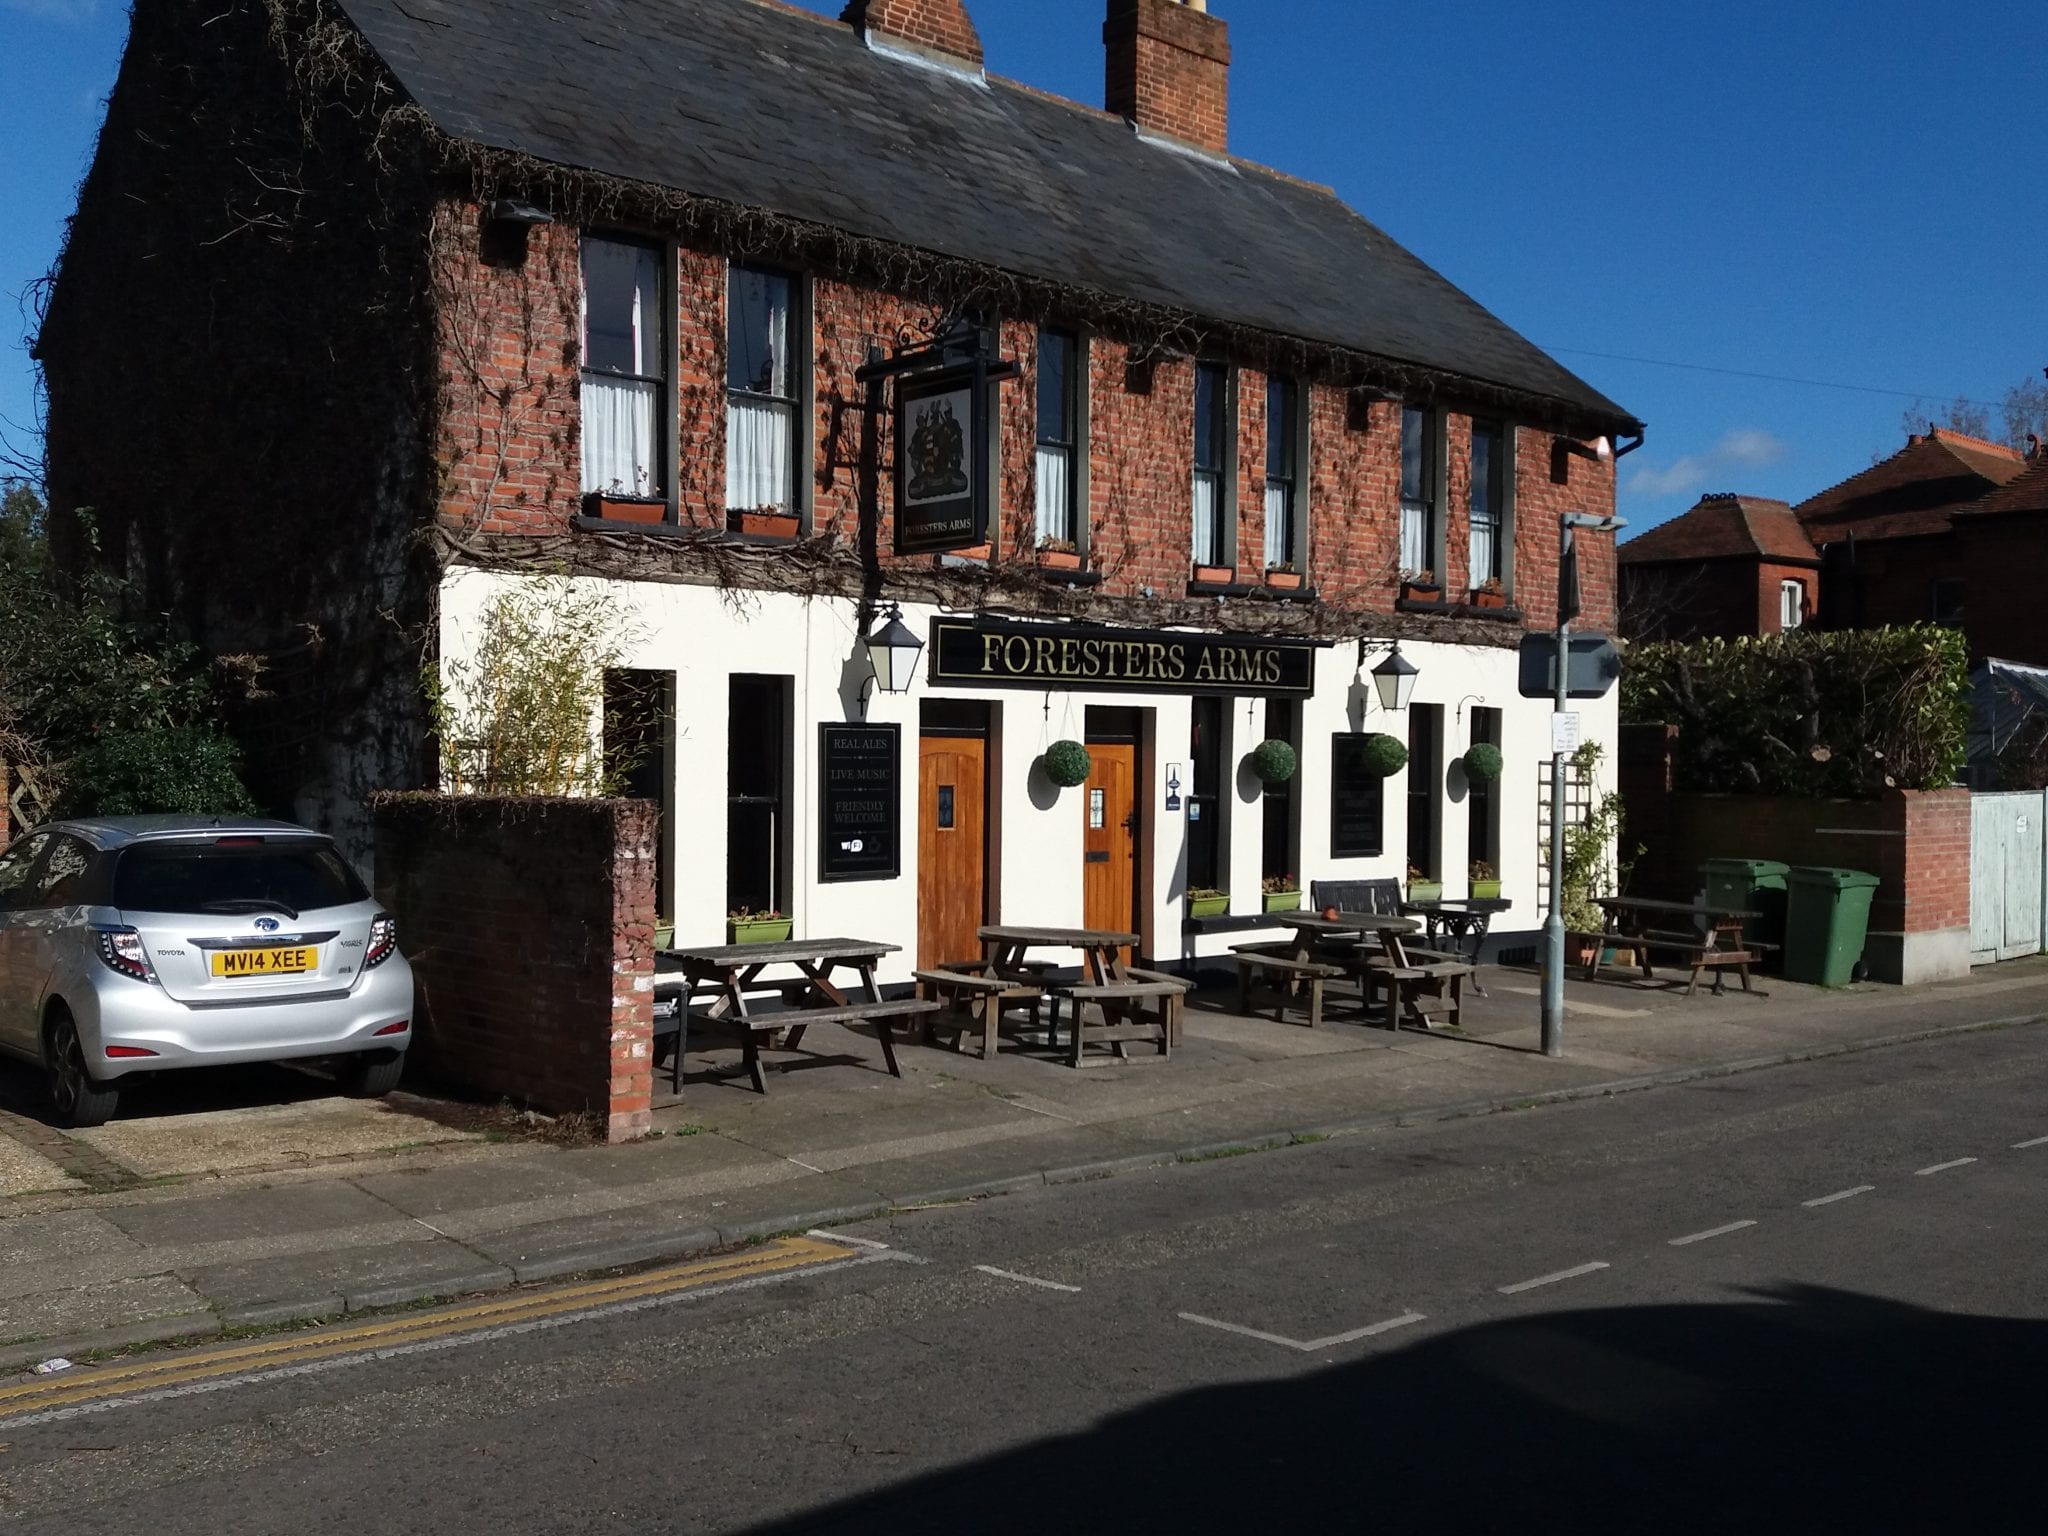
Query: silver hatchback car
(142, 943)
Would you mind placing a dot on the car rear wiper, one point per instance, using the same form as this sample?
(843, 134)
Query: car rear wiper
(249, 904)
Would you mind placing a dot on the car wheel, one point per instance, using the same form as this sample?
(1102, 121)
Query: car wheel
(372, 1074)
(81, 1101)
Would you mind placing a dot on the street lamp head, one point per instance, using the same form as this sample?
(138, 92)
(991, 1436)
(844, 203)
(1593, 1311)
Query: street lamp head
(893, 650)
(1394, 679)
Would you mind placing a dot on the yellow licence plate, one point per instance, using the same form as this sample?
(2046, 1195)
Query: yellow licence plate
(266, 962)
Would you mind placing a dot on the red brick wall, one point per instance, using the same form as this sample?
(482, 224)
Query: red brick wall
(510, 426)
(1769, 607)
(530, 928)
(937, 26)
(1168, 70)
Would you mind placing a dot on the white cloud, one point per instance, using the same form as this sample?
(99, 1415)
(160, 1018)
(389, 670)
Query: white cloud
(1744, 448)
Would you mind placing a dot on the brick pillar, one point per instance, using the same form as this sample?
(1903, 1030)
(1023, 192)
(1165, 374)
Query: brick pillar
(632, 1035)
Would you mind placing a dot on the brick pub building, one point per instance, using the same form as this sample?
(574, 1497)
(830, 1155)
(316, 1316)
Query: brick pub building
(370, 309)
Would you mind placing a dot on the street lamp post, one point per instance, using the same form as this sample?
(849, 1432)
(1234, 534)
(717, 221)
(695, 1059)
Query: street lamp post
(1553, 924)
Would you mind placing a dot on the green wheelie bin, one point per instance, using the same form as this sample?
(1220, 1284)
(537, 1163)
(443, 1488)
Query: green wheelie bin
(1750, 885)
(1827, 914)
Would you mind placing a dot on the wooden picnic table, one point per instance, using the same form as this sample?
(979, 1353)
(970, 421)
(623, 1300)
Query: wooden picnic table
(1710, 940)
(1371, 946)
(728, 972)
(1463, 921)
(1135, 1004)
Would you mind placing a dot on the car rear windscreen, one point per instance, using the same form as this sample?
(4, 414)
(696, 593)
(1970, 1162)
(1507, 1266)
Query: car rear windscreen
(217, 877)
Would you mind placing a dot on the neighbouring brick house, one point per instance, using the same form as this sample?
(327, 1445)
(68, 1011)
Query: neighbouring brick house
(371, 307)
(1732, 565)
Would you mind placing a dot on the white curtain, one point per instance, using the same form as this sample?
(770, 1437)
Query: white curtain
(757, 454)
(618, 435)
(1415, 554)
(1279, 523)
(1485, 551)
(1055, 493)
(1208, 525)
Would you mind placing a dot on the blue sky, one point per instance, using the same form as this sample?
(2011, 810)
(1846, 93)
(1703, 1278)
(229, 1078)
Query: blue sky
(1838, 193)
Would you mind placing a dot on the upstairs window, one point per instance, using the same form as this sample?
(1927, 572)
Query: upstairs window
(1059, 438)
(1791, 604)
(760, 392)
(625, 369)
(1283, 472)
(1945, 601)
(1215, 429)
(1418, 490)
(1489, 510)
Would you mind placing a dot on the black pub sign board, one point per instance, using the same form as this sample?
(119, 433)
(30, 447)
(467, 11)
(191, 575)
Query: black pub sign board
(859, 785)
(983, 653)
(941, 480)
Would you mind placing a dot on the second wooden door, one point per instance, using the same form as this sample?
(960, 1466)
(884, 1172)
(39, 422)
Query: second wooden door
(1110, 837)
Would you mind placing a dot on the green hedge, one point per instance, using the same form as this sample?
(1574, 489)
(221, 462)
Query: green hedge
(1849, 713)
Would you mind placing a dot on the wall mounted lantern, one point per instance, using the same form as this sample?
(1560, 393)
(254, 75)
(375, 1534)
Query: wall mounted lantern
(893, 650)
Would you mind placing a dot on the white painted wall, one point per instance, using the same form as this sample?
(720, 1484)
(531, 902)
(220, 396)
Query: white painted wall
(703, 636)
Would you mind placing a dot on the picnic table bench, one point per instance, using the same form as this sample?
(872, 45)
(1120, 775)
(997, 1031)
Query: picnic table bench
(1135, 1004)
(729, 972)
(1712, 941)
(966, 990)
(1286, 975)
(1372, 947)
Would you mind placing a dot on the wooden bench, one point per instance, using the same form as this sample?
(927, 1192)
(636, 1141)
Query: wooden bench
(1175, 1006)
(1698, 952)
(979, 998)
(1419, 992)
(1277, 966)
(1112, 997)
(797, 1020)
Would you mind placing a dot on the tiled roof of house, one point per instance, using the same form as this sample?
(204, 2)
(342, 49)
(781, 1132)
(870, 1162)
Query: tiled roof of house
(763, 106)
(1721, 526)
(1915, 491)
(2025, 492)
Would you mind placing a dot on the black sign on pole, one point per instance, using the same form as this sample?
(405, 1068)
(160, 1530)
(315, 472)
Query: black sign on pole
(1593, 667)
(859, 800)
(942, 422)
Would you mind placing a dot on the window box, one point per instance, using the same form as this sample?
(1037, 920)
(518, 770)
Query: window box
(624, 509)
(664, 935)
(1053, 558)
(758, 929)
(1485, 890)
(981, 552)
(1215, 575)
(1283, 901)
(1483, 597)
(1287, 578)
(1421, 587)
(1425, 890)
(1208, 903)
(766, 523)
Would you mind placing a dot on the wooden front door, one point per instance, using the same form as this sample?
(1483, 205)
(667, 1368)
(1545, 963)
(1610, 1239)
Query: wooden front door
(1110, 837)
(952, 843)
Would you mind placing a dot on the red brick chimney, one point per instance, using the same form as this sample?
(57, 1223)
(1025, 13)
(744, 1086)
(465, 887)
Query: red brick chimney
(1169, 69)
(940, 28)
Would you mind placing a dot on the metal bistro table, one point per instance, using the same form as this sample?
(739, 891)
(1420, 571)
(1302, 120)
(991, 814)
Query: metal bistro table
(1462, 921)
(728, 972)
(1135, 1004)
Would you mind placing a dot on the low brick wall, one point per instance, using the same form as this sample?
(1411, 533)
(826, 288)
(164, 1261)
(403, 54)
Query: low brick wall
(530, 927)
(1917, 843)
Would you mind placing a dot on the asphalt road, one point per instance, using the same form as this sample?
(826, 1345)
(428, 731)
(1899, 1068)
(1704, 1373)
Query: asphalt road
(1809, 1298)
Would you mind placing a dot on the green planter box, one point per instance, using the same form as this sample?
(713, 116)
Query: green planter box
(1283, 901)
(1208, 906)
(1486, 890)
(1425, 890)
(665, 936)
(767, 930)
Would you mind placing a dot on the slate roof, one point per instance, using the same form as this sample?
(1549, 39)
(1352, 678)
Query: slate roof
(1720, 527)
(2025, 492)
(764, 106)
(1918, 490)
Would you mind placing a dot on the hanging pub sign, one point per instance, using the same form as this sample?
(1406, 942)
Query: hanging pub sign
(859, 789)
(982, 653)
(941, 461)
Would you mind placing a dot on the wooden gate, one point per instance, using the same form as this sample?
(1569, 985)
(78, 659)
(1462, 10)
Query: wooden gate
(2008, 875)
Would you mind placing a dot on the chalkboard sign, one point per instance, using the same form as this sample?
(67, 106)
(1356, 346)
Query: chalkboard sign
(1358, 798)
(859, 795)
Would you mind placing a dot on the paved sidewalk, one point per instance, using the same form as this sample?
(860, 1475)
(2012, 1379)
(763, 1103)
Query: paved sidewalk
(404, 1207)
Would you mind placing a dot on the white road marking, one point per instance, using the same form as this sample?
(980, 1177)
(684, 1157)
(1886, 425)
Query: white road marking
(1010, 1274)
(841, 1237)
(1305, 1346)
(1562, 1274)
(1701, 1237)
(801, 1164)
(2038, 1141)
(1954, 1162)
(1840, 1194)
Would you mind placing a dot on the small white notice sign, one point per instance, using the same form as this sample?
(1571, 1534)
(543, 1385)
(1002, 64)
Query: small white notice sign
(1565, 731)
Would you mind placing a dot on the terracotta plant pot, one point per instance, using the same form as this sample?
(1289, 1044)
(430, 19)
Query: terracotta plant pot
(1489, 599)
(1215, 575)
(1421, 592)
(972, 552)
(1290, 580)
(1060, 559)
(624, 509)
(773, 525)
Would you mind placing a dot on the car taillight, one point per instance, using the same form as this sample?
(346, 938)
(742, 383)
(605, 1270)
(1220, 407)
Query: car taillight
(383, 940)
(121, 949)
(398, 1028)
(126, 1052)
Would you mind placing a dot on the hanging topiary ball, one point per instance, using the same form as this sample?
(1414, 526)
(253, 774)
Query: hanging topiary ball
(1067, 763)
(1383, 754)
(1274, 761)
(1482, 762)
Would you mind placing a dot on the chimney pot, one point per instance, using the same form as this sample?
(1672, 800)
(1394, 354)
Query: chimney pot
(940, 29)
(1168, 69)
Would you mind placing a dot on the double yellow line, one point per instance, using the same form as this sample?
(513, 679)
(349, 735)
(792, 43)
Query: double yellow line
(157, 1373)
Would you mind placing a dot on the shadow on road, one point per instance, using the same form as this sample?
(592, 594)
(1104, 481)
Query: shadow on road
(1808, 1409)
